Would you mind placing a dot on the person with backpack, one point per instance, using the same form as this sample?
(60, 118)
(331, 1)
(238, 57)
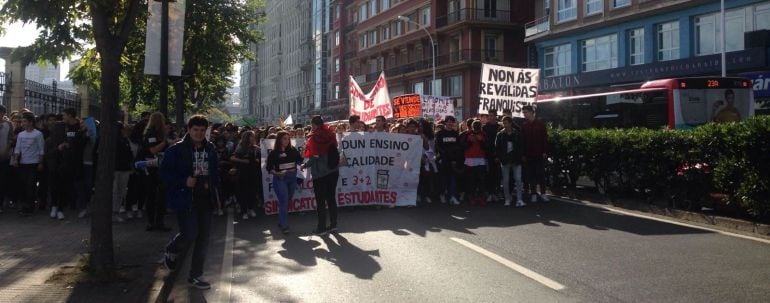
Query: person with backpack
(323, 158)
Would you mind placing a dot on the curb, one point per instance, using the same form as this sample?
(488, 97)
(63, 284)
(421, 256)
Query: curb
(724, 223)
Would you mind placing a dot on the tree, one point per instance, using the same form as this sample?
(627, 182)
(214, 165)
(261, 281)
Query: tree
(224, 27)
(66, 25)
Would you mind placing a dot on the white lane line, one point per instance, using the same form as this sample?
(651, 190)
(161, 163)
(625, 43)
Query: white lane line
(510, 264)
(627, 213)
(227, 261)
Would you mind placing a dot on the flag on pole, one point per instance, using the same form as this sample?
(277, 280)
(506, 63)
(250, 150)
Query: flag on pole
(288, 121)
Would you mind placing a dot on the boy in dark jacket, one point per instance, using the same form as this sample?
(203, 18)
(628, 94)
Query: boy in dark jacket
(450, 158)
(509, 145)
(190, 174)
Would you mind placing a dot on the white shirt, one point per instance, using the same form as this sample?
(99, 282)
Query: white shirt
(30, 145)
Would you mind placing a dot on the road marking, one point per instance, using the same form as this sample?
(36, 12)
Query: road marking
(510, 264)
(627, 213)
(227, 261)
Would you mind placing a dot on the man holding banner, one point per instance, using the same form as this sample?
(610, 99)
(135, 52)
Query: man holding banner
(321, 153)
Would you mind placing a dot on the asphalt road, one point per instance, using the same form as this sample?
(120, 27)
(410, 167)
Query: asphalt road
(554, 252)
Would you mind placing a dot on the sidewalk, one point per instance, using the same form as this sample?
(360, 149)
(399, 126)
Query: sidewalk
(40, 260)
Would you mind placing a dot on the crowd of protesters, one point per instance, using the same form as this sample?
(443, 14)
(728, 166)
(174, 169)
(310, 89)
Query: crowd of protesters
(478, 161)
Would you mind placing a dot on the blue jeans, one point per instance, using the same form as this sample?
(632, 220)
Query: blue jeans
(194, 229)
(284, 190)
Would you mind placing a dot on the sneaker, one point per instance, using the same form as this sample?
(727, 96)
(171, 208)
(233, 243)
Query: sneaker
(83, 213)
(138, 214)
(428, 200)
(169, 260)
(129, 215)
(442, 198)
(284, 229)
(220, 213)
(198, 283)
(533, 199)
(54, 210)
(507, 202)
(320, 231)
(252, 213)
(520, 203)
(490, 199)
(544, 198)
(122, 209)
(245, 216)
(117, 218)
(60, 215)
(454, 201)
(135, 207)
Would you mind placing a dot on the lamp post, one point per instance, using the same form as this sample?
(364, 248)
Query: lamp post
(432, 48)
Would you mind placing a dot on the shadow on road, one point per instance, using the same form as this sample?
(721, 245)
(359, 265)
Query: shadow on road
(350, 258)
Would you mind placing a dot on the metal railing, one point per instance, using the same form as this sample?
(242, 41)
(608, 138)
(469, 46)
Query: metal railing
(455, 57)
(537, 26)
(468, 14)
(47, 99)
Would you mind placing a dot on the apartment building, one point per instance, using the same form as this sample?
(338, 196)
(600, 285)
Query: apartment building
(368, 37)
(594, 45)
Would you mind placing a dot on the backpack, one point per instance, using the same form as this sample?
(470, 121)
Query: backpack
(333, 160)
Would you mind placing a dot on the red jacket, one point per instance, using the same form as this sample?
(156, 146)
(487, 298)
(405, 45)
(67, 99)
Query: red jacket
(474, 144)
(536, 138)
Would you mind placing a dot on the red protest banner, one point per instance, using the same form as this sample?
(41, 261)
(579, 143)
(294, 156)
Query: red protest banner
(406, 106)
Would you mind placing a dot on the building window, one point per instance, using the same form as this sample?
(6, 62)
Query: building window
(372, 37)
(706, 34)
(336, 65)
(363, 11)
(558, 60)
(385, 33)
(620, 3)
(490, 47)
(337, 12)
(417, 88)
(708, 31)
(490, 8)
(455, 86)
(336, 38)
(567, 10)
(385, 4)
(363, 41)
(336, 91)
(594, 7)
(373, 7)
(668, 41)
(600, 53)
(762, 16)
(399, 28)
(425, 20)
(636, 46)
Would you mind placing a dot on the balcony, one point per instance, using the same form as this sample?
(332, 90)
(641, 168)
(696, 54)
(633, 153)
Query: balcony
(474, 15)
(452, 58)
(537, 26)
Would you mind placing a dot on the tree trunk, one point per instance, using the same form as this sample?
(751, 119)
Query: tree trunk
(102, 262)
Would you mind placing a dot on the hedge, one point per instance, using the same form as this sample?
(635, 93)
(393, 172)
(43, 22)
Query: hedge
(690, 168)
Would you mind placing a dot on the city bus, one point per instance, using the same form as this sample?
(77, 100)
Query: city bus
(678, 103)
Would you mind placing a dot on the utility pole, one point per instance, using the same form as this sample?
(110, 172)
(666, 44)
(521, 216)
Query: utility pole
(164, 57)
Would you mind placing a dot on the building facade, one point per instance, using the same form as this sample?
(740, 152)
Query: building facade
(43, 73)
(368, 37)
(288, 76)
(589, 46)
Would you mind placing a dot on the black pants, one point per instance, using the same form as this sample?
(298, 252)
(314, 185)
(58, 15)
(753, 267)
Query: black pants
(325, 189)
(534, 174)
(474, 180)
(28, 176)
(5, 172)
(135, 193)
(194, 228)
(153, 199)
(493, 178)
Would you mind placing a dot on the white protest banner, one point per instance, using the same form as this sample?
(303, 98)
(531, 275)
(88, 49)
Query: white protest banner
(437, 107)
(176, 14)
(303, 199)
(505, 87)
(375, 103)
(382, 169)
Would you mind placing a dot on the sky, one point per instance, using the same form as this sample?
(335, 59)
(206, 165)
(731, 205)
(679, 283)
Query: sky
(18, 34)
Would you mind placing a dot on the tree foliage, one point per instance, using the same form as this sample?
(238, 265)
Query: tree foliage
(217, 35)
